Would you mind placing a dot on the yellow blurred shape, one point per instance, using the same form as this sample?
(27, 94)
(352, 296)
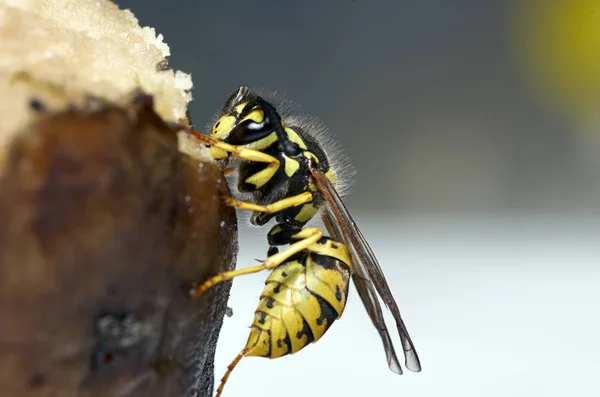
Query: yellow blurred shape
(558, 42)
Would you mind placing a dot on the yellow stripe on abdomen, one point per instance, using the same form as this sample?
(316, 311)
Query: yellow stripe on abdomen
(301, 299)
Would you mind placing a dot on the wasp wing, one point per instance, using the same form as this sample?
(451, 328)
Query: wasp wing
(369, 298)
(368, 274)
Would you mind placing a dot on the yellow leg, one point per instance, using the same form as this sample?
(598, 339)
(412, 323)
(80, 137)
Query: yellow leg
(199, 290)
(280, 205)
(228, 372)
(231, 366)
(261, 177)
(238, 151)
(309, 237)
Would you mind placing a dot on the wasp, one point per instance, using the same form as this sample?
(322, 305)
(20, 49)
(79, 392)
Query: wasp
(284, 173)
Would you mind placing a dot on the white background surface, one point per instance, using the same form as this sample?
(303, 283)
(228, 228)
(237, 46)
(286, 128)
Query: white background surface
(496, 306)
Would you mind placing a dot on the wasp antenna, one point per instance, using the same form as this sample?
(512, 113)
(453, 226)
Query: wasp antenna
(235, 98)
(242, 92)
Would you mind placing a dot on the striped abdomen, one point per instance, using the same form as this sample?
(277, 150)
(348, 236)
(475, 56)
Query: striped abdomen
(302, 298)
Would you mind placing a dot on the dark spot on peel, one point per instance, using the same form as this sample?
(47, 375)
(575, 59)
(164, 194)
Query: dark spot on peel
(163, 65)
(165, 366)
(36, 105)
(117, 335)
(109, 357)
(334, 246)
(279, 343)
(283, 274)
(37, 380)
(277, 289)
(270, 303)
(111, 290)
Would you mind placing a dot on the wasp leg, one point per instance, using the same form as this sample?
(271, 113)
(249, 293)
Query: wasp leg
(237, 151)
(228, 372)
(258, 179)
(200, 289)
(307, 237)
(276, 206)
(230, 368)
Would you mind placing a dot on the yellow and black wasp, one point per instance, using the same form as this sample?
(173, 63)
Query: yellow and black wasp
(284, 173)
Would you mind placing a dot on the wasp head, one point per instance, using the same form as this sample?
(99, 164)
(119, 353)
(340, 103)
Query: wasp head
(244, 120)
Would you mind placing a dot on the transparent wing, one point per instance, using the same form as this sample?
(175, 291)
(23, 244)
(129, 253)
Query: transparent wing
(369, 298)
(368, 275)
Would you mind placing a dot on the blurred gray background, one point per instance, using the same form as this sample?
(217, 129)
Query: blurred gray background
(427, 96)
(478, 182)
